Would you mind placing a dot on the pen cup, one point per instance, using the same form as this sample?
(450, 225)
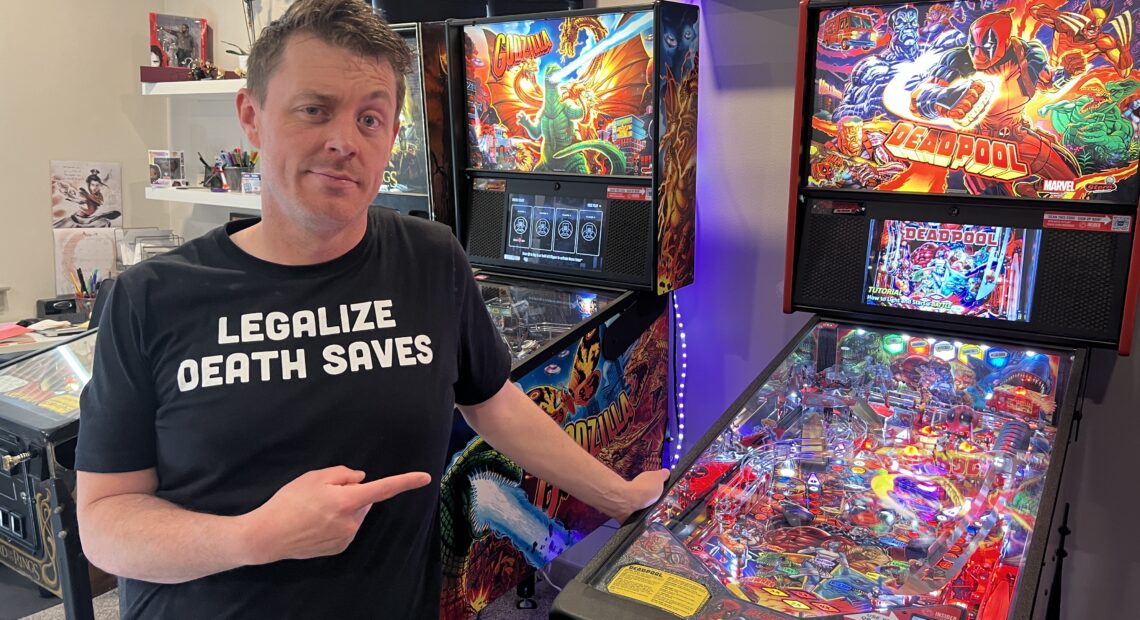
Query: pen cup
(233, 176)
(83, 306)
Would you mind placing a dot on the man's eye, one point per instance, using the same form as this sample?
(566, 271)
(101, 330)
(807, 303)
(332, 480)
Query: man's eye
(311, 110)
(370, 121)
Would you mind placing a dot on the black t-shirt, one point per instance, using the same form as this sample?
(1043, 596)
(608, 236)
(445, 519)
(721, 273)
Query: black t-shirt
(231, 376)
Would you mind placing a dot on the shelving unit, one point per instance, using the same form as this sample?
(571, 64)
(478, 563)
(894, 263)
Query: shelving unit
(202, 88)
(210, 93)
(200, 196)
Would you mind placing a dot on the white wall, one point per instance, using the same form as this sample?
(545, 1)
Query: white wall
(71, 91)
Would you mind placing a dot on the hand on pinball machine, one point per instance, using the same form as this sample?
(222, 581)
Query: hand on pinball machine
(642, 492)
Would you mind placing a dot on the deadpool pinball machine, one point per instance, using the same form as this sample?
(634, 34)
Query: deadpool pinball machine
(39, 425)
(418, 179)
(577, 210)
(964, 237)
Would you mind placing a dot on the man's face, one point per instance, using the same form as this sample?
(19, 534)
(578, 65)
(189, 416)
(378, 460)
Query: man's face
(325, 132)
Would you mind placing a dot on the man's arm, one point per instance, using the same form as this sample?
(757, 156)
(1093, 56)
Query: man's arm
(129, 532)
(515, 426)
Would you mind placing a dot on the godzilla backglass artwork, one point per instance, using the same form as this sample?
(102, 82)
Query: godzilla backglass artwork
(568, 94)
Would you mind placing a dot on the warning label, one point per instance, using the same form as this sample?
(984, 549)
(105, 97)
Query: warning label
(614, 192)
(64, 404)
(675, 594)
(1093, 222)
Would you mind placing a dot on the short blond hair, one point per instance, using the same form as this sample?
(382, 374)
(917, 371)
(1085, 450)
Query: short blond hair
(348, 24)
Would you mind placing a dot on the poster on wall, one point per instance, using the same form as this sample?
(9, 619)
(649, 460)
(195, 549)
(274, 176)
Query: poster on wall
(86, 194)
(90, 251)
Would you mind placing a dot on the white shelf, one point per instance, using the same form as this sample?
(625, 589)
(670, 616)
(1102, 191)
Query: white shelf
(199, 88)
(198, 196)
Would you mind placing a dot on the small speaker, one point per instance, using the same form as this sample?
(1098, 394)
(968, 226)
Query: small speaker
(1076, 284)
(485, 235)
(832, 257)
(629, 242)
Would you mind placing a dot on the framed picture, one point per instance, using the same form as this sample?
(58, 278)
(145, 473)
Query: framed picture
(178, 41)
(167, 168)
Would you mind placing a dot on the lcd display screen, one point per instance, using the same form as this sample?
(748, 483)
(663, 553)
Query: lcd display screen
(1023, 99)
(562, 232)
(966, 270)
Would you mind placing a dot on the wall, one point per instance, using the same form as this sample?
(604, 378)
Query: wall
(71, 92)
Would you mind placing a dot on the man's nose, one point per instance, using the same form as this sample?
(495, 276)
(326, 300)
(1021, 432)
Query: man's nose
(343, 136)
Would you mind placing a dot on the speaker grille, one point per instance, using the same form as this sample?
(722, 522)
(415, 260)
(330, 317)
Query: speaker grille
(1071, 292)
(485, 235)
(832, 255)
(629, 241)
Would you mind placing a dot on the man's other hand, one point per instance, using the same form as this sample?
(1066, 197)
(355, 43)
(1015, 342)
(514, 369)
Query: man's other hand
(642, 491)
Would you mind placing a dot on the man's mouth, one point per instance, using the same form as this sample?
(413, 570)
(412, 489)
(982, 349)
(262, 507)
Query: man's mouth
(336, 176)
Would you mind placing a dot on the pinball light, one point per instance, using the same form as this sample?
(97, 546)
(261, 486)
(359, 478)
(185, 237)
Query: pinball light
(679, 397)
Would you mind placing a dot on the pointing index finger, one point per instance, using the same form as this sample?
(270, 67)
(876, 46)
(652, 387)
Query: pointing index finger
(367, 493)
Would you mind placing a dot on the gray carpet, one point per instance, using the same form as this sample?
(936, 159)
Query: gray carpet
(504, 608)
(107, 606)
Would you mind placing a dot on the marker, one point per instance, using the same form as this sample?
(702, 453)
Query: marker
(82, 283)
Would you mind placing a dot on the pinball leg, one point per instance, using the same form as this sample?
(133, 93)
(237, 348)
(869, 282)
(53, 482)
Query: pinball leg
(73, 567)
(525, 592)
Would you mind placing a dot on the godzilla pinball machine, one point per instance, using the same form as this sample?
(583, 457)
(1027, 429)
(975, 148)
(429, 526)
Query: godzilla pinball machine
(961, 219)
(577, 211)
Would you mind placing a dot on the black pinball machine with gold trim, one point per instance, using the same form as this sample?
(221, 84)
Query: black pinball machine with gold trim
(575, 153)
(39, 425)
(418, 179)
(965, 238)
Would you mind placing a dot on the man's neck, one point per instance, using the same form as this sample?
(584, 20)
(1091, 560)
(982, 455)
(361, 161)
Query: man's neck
(276, 241)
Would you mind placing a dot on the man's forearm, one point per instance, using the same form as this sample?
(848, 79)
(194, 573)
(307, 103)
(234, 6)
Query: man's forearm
(521, 430)
(142, 537)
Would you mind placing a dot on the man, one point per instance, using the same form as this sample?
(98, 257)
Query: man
(270, 407)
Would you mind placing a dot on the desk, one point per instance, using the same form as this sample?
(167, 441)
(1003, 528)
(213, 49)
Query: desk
(31, 341)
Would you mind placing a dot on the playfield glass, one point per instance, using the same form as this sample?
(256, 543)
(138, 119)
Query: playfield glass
(569, 94)
(531, 316)
(874, 471)
(999, 98)
(42, 391)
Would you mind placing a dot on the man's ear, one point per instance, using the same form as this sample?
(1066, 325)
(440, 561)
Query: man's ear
(248, 112)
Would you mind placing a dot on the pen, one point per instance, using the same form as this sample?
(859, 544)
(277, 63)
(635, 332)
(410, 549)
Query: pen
(94, 281)
(75, 283)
